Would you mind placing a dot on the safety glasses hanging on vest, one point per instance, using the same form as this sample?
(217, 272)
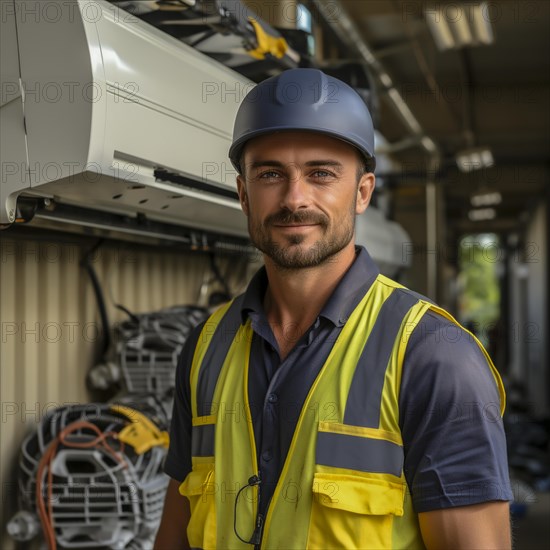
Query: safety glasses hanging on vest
(257, 534)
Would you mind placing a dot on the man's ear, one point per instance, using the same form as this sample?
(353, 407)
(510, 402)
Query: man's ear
(364, 192)
(243, 196)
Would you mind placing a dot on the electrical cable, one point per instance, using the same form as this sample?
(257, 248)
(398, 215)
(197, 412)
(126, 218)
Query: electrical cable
(85, 263)
(45, 467)
(132, 316)
(112, 300)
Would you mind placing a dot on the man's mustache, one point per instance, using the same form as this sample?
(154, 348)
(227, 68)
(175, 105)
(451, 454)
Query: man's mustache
(285, 217)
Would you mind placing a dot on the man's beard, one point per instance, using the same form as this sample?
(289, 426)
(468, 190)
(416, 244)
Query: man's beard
(292, 255)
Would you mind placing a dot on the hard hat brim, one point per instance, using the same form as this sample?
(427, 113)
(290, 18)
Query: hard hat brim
(237, 147)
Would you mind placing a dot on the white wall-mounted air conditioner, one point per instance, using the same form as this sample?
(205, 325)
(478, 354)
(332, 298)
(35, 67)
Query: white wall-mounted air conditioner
(102, 110)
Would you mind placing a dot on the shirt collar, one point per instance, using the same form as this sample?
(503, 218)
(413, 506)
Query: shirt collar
(349, 292)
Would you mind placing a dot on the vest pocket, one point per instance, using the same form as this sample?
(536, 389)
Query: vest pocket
(353, 511)
(200, 489)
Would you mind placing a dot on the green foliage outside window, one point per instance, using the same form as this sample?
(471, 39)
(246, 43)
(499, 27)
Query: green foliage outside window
(479, 291)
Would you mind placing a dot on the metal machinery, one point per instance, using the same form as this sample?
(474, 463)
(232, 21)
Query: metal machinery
(92, 476)
(148, 348)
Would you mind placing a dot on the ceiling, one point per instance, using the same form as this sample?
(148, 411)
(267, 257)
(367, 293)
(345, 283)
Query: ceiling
(496, 96)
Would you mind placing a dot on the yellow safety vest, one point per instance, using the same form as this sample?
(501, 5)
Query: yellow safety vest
(342, 483)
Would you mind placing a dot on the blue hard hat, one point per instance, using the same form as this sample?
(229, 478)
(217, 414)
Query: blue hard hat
(304, 99)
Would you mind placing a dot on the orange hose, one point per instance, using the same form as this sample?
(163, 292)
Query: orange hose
(47, 458)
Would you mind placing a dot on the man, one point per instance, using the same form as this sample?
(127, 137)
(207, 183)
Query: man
(328, 407)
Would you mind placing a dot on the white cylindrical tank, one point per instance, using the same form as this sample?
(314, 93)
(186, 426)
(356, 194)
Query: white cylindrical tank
(387, 242)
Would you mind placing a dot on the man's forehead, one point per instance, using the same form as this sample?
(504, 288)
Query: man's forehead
(308, 145)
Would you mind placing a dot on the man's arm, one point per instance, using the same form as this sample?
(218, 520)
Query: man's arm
(484, 526)
(455, 446)
(172, 533)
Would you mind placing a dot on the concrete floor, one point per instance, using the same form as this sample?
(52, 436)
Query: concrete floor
(533, 531)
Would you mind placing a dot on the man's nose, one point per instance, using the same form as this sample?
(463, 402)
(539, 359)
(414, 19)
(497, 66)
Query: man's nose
(296, 192)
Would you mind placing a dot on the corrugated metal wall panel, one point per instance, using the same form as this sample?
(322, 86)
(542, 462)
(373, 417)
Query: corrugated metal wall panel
(10, 391)
(50, 324)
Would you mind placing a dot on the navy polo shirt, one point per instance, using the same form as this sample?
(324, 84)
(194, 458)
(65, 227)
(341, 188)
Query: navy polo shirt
(454, 443)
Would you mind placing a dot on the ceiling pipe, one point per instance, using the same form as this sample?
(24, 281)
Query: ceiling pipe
(397, 146)
(347, 31)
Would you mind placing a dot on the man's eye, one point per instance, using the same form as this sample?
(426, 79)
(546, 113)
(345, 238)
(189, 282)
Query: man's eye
(269, 174)
(322, 174)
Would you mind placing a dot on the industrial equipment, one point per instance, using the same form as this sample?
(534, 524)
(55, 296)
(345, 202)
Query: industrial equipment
(91, 476)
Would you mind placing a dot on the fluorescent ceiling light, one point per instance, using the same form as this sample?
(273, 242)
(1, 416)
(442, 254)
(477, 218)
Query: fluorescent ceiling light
(486, 199)
(440, 30)
(482, 24)
(474, 159)
(487, 158)
(456, 25)
(460, 27)
(482, 214)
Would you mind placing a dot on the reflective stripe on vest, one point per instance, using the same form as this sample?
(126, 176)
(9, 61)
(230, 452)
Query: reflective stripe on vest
(342, 483)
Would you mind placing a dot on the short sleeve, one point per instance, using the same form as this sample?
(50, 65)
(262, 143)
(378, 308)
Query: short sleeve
(178, 459)
(453, 435)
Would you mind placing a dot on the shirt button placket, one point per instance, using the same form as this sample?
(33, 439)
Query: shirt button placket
(267, 454)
